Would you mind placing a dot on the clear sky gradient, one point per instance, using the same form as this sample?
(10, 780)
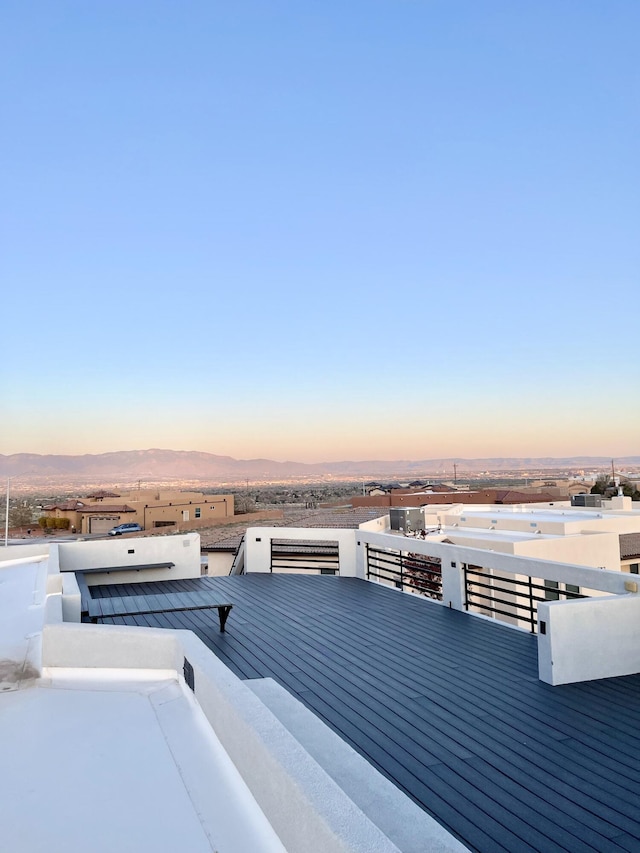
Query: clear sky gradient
(372, 229)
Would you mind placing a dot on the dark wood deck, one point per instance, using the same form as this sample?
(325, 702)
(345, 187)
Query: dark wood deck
(446, 705)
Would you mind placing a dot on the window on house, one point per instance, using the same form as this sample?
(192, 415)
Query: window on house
(633, 568)
(197, 512)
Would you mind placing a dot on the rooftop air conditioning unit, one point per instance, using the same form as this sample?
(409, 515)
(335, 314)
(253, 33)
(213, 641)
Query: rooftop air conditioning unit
(407, 519)
(586, 500)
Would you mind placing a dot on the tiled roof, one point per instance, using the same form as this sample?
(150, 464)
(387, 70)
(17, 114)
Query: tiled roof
(79, 506)
(100, 508)
(218, 539)
(446, 705)
(67, 506)
(629, 545)
(513, 497)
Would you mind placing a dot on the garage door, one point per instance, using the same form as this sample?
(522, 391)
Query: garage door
(103, 523)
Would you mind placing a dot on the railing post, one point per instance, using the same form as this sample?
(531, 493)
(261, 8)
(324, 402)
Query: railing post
(453, 585)
(531, 609)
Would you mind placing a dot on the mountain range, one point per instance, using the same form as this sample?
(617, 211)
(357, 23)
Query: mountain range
(155, 465)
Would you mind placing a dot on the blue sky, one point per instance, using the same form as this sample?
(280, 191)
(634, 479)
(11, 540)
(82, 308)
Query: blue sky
(320, 231)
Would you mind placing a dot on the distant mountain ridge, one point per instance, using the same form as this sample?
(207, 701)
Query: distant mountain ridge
(154, 465)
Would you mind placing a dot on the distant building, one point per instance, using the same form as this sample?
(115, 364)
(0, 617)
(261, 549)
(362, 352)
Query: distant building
(150, 508)
(440, 494)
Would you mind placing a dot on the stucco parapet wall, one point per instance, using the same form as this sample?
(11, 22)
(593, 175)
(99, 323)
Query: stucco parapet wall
(22, 553)
(183, 550)
(25, 606)
(258, 545)
(307, 809)
(588, 639)
(77, 645)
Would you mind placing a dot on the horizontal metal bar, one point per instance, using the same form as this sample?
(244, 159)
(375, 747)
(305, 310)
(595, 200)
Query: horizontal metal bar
(541, 587)
(505, 612)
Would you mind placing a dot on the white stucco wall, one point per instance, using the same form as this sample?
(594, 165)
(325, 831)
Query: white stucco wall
(20, 552)
(588, 639)
(258, 545)
(183, 550)
(219, 562)
(378, 524)
(24, 609)
(597, 550)
(307, 809)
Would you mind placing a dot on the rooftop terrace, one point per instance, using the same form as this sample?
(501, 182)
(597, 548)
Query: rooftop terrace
(445, 704)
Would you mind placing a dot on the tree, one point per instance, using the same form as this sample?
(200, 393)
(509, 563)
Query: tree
(243, 504)
(605, 486)
(20, 516)
(601, 485)
(630, 491)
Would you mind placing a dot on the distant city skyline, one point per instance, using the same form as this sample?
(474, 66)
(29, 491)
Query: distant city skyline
(320, 232)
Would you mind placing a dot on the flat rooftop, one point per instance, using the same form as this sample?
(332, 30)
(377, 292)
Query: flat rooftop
(457, 535)
(446, 705)
(159, 778)
(565, 514)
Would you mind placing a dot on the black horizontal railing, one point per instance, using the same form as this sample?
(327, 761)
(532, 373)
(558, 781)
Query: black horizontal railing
(487, 591)
(405, 570)
(294, 556)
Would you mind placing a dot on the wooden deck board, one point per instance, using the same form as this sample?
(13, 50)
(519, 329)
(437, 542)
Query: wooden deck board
(446, 705)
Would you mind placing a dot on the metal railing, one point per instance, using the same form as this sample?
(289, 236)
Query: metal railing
(405, 570)
(290, 555)
(509, 598)
(237, 567)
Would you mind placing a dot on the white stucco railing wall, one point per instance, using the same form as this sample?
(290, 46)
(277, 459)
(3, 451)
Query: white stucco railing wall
(307, 809)
(12, 553)
(83, 646)
(454, 557)
(376, 524)
(28, 598)
(258, 545)
(588, 638)
(183, 550)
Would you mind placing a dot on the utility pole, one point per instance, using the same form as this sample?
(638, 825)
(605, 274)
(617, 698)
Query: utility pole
(455, 473)
(6, 516)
